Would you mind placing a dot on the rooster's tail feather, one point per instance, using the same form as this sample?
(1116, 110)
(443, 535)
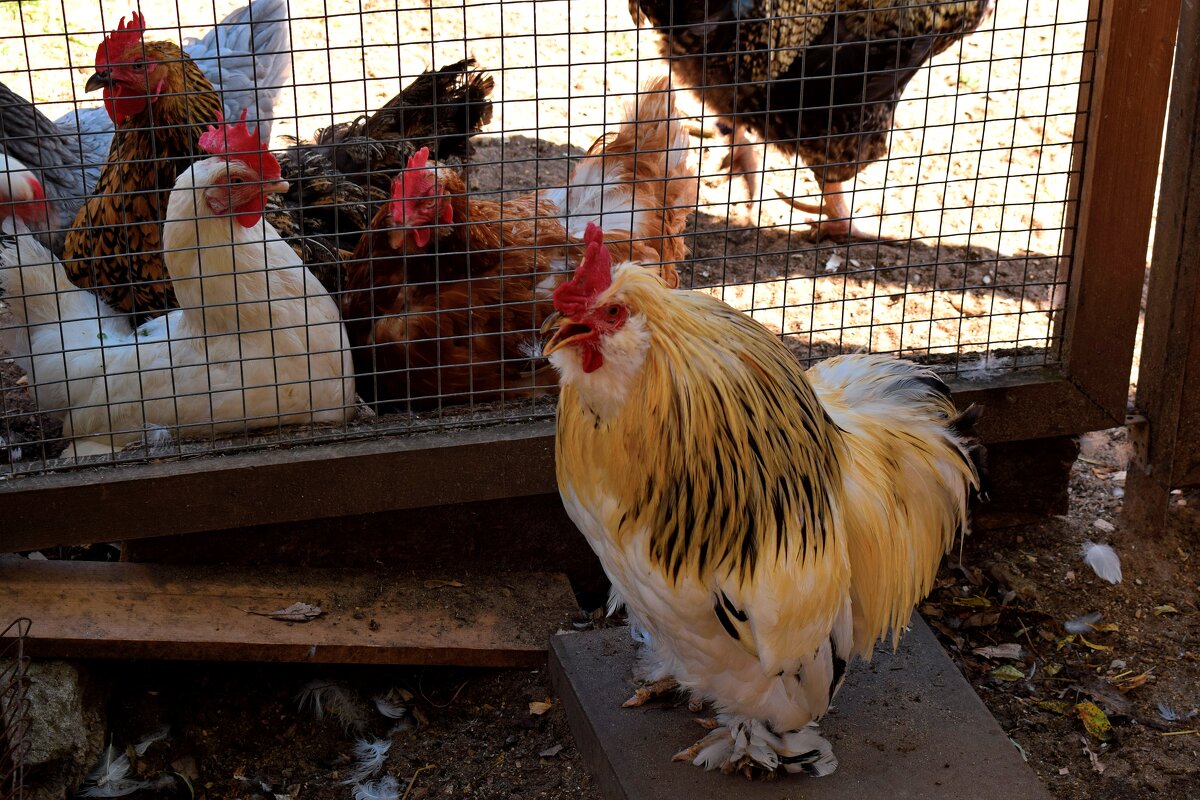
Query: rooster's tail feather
(911, 466)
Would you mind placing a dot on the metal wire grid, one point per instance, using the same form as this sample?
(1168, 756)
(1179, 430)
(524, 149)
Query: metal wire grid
(14, 709)
(973, 198)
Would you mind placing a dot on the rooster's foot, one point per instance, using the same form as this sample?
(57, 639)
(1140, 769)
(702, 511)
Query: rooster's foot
(653, 691)
(750, 746)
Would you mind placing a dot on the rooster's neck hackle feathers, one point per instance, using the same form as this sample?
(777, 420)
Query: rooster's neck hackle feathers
(721, 464)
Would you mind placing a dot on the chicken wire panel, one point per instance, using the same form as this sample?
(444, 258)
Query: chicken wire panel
(967, 194)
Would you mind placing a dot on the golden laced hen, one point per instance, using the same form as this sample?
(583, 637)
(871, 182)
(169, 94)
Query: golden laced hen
(161, 104)
(444, 295)
(817, 78)
(338, 179)
(761, 523)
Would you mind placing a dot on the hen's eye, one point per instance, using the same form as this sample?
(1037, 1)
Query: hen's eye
(613, 311)
(138, 66)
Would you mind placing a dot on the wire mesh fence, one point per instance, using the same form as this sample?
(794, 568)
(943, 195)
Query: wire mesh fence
(14, 709)
(406, 295)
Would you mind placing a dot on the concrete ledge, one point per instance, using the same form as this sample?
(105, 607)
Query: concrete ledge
(907, 726)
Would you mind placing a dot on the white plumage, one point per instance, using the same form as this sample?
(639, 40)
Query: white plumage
(257, 341)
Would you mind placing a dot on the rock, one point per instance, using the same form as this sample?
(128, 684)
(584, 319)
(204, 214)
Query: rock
(68, 719)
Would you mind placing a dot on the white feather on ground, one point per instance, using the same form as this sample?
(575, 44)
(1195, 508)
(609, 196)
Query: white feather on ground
(110, 778)
(342, 704)
(369, 759)
(1103, 560)
(388, 708)
(154, 736)
(386, 788)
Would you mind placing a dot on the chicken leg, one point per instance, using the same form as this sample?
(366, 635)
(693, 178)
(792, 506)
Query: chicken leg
(741, 159)
(837, 210)
(749, 746)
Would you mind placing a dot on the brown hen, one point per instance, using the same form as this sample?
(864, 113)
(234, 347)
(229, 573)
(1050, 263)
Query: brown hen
(446, 291)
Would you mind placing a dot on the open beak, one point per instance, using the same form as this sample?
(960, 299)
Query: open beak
(563, 330)
(99, 80)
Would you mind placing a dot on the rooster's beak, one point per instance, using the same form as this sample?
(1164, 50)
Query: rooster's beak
(99, 80)
(566, 331)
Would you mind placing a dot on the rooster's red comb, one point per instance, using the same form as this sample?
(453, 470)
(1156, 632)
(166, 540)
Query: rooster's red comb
(117, 43)
(236, 142)
(592, 277)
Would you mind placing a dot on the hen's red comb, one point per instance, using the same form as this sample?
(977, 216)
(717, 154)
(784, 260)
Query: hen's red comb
(414, 181)
(236, 142)
(592, 277)
(117, 43)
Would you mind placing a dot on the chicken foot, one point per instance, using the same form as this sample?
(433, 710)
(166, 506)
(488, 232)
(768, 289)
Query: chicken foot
(742, 160)
(651, 691)
(838, 213)
(749, 746)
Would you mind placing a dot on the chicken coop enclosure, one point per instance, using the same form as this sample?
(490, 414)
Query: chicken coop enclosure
(1002, 217)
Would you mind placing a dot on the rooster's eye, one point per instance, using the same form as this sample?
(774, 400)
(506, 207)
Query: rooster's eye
(613, 312)
(138, 66)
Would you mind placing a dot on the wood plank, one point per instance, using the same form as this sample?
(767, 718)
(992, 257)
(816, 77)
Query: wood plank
(906, 726)
(325, 482)
(120, 610)
(1168, 396)
(1136, 44)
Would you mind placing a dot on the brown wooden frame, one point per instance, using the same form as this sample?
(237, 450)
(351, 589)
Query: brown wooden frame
(1165, 430)
(1121, 119)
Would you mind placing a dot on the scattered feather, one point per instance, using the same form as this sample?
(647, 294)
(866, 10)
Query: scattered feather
(155, 736)
(1171, 714)
(834, 262)
(388, 708)
(1083, 624)
(1103, 560)
(370, 757)
(386, 788)
(111, 777)
(343, 705)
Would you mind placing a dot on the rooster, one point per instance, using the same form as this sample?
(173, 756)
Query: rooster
(161, 103)
(818, 78)
(257, 342)
(247, 59)
(446, 291)
(338, 179)
(761, 524)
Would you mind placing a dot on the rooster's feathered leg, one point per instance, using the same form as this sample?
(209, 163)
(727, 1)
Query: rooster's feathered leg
(747, 746)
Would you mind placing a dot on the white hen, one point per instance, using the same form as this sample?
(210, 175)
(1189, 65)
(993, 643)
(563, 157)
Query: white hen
(257, 341)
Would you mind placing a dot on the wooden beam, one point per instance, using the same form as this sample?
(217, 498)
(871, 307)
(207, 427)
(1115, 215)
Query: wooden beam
(1135, 48)
(117, 610)
(1168, 396)
(394, 473)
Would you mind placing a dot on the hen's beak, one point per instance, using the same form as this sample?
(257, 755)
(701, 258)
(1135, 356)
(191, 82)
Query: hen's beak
(99, 80)
(276, 187)
(565, 331)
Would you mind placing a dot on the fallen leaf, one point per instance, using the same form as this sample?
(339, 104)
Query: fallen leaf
(971, 602)
(1084, 640)
(1094, 720)
(1053, 669)
(1130, 682)
(1007, 672)
(1053, 706)
(1105, 694)
(436, 584)
(539, 707)
(1165, 609)
(296, 612)
(1012, 651)
(551, 752)
(1093, 756)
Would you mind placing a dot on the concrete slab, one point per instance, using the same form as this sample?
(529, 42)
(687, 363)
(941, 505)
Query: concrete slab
(907, 726)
